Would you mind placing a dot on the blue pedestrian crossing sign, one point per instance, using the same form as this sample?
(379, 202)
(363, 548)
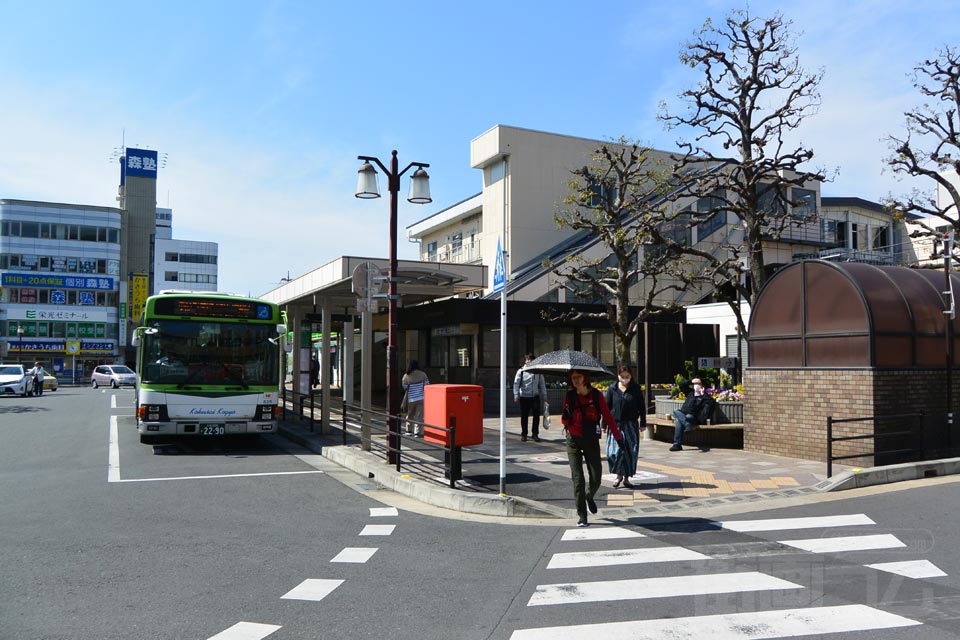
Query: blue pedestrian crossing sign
(499, 271)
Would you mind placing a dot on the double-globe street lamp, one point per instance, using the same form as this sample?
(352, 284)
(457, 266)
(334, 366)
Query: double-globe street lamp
(419, 194)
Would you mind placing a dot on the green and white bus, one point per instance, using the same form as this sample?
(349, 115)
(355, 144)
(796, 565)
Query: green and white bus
(208, 364)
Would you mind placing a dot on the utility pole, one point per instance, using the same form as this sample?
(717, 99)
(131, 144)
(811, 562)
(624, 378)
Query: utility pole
(949, 306)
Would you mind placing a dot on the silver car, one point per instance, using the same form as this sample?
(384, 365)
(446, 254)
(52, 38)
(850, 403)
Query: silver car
(114, 375)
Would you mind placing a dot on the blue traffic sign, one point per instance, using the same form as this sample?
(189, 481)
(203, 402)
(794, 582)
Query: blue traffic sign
(499, 270)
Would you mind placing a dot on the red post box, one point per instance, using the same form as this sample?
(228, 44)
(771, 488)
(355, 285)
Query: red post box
(461, 403)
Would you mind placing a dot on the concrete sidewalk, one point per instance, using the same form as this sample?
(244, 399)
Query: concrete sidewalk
(538, 475)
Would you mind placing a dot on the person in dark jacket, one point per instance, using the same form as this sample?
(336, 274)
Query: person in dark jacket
(625, 399)
(583, 409)
(696, 409)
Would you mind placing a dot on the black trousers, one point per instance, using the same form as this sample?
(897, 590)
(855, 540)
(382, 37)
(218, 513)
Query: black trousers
(528, 406)
(580, 450)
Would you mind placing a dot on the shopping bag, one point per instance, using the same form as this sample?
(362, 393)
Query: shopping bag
(546, 415)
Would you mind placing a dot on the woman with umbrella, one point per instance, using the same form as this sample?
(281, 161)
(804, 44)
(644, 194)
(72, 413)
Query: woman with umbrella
(625, 401)
(583, 408)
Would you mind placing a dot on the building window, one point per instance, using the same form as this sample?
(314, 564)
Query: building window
(495, 172)
(603, 195)
(860, 236)
(170, 256)
(711, 224)
(770, 199)
(881, 239)
(804, 203)
(432, 251)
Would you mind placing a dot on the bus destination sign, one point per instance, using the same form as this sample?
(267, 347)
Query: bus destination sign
(211, 308)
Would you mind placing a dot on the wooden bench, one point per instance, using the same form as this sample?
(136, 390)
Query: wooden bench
(722, 436)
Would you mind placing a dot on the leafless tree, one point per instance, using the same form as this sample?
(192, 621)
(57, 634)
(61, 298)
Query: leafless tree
(752, 96)
(931, 146)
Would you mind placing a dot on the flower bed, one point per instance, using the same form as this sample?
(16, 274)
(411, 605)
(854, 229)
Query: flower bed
(725, 412)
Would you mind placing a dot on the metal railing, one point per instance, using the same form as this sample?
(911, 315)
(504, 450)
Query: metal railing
(915, 430)
(365, 424)
(303, 406)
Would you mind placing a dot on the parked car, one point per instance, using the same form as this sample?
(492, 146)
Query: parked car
(14, 379)
(114, 375)
(50, 382)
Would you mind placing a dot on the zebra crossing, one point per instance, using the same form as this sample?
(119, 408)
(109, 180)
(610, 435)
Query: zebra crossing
(647, 556)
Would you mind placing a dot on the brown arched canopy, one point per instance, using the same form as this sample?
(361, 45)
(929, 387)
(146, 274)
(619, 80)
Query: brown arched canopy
(815, 313)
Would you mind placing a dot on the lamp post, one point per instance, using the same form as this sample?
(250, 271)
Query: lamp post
(20, 341)
(419, 194)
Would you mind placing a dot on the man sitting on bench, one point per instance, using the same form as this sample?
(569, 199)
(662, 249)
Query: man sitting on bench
(697, 409)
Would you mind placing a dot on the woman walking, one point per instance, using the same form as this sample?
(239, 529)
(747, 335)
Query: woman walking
(625, 400)
(583, 408)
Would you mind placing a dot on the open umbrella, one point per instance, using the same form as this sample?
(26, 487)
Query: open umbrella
(565, 360)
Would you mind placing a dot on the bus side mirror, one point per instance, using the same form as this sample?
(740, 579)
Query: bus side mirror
(135, 339)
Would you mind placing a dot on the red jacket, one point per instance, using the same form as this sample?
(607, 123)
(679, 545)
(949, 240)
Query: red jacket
(591, 407)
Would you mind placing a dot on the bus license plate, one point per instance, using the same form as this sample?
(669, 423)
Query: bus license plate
(212, 429)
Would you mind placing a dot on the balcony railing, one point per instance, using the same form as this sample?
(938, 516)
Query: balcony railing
(843, 254)
(466, 252)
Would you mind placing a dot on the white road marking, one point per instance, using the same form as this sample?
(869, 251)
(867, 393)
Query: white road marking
(780, 524)
(312, 589)
(357, 555)
(622, 556)
(246, 631)
(846, 543)
(639, 589)
(378, 529)
(113, 457)
(911, 568)
(380, 512)
(113, 402)
(113, 464)
(225, 475)
(600, 533)
(731, 626)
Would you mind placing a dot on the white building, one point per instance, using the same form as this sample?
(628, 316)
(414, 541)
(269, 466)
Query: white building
(182, 264)
(59, 283)
(525, 176)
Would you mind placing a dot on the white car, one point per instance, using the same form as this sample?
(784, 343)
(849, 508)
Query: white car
(114, 375)
(14, 379)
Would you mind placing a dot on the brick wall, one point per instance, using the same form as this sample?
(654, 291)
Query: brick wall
(785, 410)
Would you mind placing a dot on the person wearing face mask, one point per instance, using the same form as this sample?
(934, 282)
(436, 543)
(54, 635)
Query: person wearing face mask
(696, 409)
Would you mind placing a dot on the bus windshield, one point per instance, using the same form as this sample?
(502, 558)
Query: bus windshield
(184, 352)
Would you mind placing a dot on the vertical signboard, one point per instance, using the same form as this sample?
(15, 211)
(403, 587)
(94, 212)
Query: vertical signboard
(137, 285)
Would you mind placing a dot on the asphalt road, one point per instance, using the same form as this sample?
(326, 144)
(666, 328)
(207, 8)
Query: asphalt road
(102, 537)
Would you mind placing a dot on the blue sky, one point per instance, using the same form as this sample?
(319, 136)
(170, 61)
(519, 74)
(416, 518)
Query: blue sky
(262, 107)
